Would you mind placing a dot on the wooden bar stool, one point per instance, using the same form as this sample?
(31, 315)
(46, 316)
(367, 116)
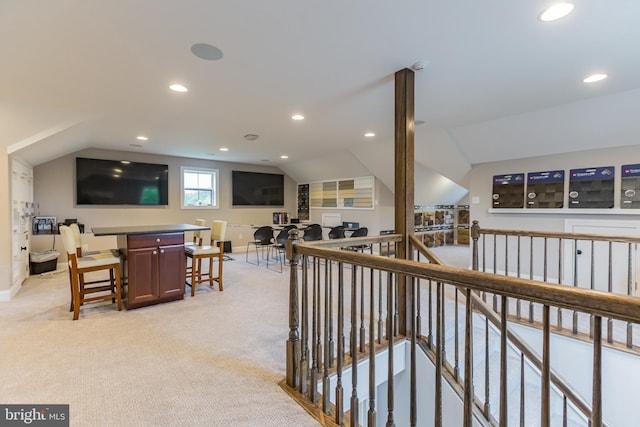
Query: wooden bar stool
(79, 266)
(201, 252)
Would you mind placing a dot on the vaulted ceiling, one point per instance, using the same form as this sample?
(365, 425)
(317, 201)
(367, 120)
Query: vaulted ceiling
(498, 83)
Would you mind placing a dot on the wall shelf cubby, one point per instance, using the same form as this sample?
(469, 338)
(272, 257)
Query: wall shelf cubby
(351, 193)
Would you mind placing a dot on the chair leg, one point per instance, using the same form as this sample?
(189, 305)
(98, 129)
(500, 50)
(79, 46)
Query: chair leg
(220, 259)
(76, 296)
(118, 288)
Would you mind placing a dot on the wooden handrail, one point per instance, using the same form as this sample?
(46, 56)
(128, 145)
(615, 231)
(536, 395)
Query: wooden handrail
(586, 300)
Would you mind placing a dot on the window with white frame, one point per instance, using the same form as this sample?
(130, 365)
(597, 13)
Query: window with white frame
(199, 187)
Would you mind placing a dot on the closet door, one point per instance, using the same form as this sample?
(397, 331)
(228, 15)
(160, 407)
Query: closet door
(21, 211)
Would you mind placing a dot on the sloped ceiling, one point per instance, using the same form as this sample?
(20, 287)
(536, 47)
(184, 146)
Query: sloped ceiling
(497, 83)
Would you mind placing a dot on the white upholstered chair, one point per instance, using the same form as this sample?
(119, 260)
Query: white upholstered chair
(79, 266)
(210, 252)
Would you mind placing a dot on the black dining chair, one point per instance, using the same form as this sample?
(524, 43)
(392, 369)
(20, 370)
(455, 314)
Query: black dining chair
(312, 232)
(262, 239)
(361, 232)
(337, 232)
(279, 246)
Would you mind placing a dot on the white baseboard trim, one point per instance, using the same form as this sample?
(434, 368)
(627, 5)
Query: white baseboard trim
(8, 294)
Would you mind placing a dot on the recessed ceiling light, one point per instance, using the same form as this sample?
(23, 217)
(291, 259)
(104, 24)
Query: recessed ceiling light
(178, 88)
(224, 149)
(125, 162)
(206, 51)
(594, 78)
(142, 138)
(556, 11)
(135, 145)
(297, 117)
(369, 134)
(284, 156)
(251, 137)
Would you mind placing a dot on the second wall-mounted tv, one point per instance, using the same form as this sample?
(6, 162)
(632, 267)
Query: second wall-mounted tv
(115, 182)
(257, 189)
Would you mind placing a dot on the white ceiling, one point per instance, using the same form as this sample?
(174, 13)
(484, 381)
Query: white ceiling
(499, 83)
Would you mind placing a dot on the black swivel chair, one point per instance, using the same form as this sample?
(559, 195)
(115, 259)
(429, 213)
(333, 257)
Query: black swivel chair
(262, 238)
(312, 232)
(361, 232)
(337, 232)
(280, 245)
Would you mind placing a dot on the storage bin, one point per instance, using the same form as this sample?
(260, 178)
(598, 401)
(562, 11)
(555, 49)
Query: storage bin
(43, 261)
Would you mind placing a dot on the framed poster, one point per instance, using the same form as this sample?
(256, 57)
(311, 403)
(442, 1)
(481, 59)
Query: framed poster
(591, 187)
(545, 189)
(630, 187)
(508, 191)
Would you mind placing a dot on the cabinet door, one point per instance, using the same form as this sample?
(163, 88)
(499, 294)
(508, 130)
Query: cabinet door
(143, 275)
(171, 270)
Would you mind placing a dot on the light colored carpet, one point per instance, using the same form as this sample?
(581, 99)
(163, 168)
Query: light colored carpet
(212, 360)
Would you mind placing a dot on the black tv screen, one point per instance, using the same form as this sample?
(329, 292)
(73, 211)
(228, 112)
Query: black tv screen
(114, 182)
(257, 189)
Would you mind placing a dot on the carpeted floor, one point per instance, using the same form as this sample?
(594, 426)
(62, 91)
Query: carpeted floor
(212, 360)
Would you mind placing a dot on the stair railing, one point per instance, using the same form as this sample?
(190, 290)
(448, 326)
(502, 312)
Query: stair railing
(375, 278)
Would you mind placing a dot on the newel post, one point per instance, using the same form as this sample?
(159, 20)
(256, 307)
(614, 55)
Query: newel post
(293, 342)
(475, 235)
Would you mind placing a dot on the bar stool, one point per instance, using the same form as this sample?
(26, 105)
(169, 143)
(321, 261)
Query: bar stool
(79, 266)
(200, 252)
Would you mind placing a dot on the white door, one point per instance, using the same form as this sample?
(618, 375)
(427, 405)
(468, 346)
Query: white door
(22, 209)
(597, 256)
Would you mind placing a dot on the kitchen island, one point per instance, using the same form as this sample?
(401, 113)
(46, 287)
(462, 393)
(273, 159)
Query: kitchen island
(152, 261)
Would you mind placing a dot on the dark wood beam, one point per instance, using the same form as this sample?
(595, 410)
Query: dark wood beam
(404, 185)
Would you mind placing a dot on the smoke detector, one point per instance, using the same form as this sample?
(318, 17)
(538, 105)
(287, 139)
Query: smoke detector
(419, 66)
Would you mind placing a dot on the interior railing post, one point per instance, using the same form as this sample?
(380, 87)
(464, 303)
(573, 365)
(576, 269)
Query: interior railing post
(531, 276)
(293, 342)
(592, 283)
(610, 289)
(380, 321)
(495, 267)
(456, 346)
(575, 280)
(419, 308)
(503, 363)
(318, 284)
(629, 293)
(430, 319)
(475, 235)
(371, 415)
(362, 328)
(596, 404)
(468, 361)
(522, 390)
(355, 403)
(545, 373)
(559, 321)
(304, 335)
(413, 417)
(518, 302)
(339, 404)
(487, 373)
(328, 356)
(313, 375)
(329, 273)
(390, 340)
(437, 411)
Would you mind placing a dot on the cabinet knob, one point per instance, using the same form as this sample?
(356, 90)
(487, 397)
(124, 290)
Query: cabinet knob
(155, 252)
(158, 240)
(161, 251)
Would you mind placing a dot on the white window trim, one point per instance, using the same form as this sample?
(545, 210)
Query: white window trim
(216, 172)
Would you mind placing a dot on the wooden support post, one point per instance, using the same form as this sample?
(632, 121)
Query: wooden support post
(404, 185)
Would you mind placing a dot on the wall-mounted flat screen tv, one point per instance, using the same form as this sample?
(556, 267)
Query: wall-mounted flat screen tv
(257, 189)
(115, 182)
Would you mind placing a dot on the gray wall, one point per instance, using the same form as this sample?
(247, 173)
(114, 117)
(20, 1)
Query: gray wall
(537, 219)
(54, 189)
